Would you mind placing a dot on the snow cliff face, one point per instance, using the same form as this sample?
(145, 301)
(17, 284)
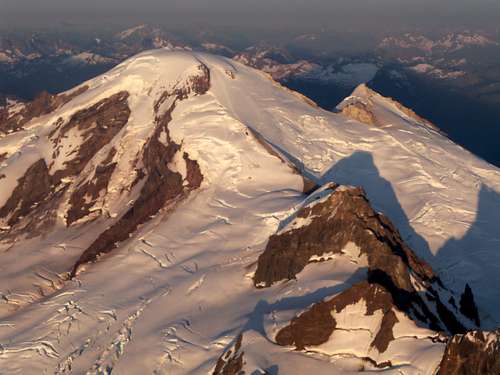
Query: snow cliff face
(156, 220)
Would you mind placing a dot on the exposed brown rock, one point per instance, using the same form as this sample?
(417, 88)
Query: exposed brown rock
(31, 209)
(353, 220)
(346, 216)
(85, 196)
(198, 85)
(98, 125)
(231, 361)
(385, 335)
(162, 186)
(3, 156)
(32, 188)
(377, 364)
(360, 112)
(473, 353)
(194, 177)
(43, 104)
(315, 326)
(311, 328)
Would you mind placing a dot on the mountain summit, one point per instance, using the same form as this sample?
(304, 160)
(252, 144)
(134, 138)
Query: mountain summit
(185, 214)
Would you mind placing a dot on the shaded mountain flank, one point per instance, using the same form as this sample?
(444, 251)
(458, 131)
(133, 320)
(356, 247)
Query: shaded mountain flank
(473, 353)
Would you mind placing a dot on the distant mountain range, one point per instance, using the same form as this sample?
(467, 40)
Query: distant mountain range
(452, 78)
(420, 53)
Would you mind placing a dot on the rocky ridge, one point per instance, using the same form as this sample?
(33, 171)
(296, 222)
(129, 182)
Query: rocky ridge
(338, 221)
(476, 352)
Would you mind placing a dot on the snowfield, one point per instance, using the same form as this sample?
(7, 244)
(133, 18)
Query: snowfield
(176, 294)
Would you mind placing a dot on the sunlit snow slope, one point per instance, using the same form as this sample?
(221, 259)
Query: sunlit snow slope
(134, 208)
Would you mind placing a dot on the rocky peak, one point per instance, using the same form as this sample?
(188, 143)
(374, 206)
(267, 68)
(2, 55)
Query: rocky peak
(369, 107)
(359, 111)
(473, 353)
(342, 216)
(339, 217)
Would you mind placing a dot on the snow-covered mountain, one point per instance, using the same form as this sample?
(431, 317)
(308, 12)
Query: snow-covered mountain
(185, 214)
(451, 42)
(460, 58)
(108, 50)
(283, 67)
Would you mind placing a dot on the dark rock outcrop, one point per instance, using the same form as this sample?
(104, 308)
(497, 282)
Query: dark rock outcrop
(194, 177)
(85, 196)
(473, 353)
(315, 326)
(32, 188)
(98, 125)
(38, 192)
(360, 112)
(397, 278)
(162, 186)
(231, 361)
(43, 104)
(345, 216)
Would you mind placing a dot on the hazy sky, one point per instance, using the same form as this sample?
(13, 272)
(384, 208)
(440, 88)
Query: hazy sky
(259, 13)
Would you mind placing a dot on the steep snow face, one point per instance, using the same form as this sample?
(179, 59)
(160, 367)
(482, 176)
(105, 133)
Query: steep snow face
(179, 289)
